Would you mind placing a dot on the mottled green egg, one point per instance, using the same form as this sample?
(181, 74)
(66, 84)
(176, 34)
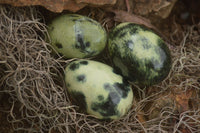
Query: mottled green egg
(97, 89)
(77, 36)
(139, 54)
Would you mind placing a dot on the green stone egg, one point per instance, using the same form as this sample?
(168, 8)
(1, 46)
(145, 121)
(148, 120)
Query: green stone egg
(97, 89)
(76, 36)
(139, 54)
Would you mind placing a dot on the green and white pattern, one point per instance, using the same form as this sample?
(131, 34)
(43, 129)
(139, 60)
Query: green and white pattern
(76, 36)
(139, 54)
(97, 89)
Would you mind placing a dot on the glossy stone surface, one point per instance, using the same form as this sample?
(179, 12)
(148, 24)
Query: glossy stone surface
(139, 54)
(76, 36)
(97, 89)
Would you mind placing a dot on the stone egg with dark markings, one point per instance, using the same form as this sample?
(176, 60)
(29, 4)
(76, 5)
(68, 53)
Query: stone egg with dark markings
(139, 54)
(77, 36)
(97, 89)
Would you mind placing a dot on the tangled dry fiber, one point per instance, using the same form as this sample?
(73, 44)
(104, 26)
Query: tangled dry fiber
(39, 101)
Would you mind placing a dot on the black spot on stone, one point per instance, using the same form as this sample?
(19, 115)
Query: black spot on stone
(58, 45)
(81, 45)
(132, 65)
(108, 107)
(123, 30)
(114, 97)
(79, 98)
(81, 41)
(133, 31)
(81, 78)
(83, 62)
(89, 53)
(100, 97)
(108, 86)
(122, 89)
(74, 66)
(122, 34)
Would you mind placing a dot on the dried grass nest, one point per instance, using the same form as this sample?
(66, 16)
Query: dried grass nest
(39, 102)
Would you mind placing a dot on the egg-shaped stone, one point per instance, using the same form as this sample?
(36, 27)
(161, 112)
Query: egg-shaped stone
(139, 54)
(97, 89)
(77, 36)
